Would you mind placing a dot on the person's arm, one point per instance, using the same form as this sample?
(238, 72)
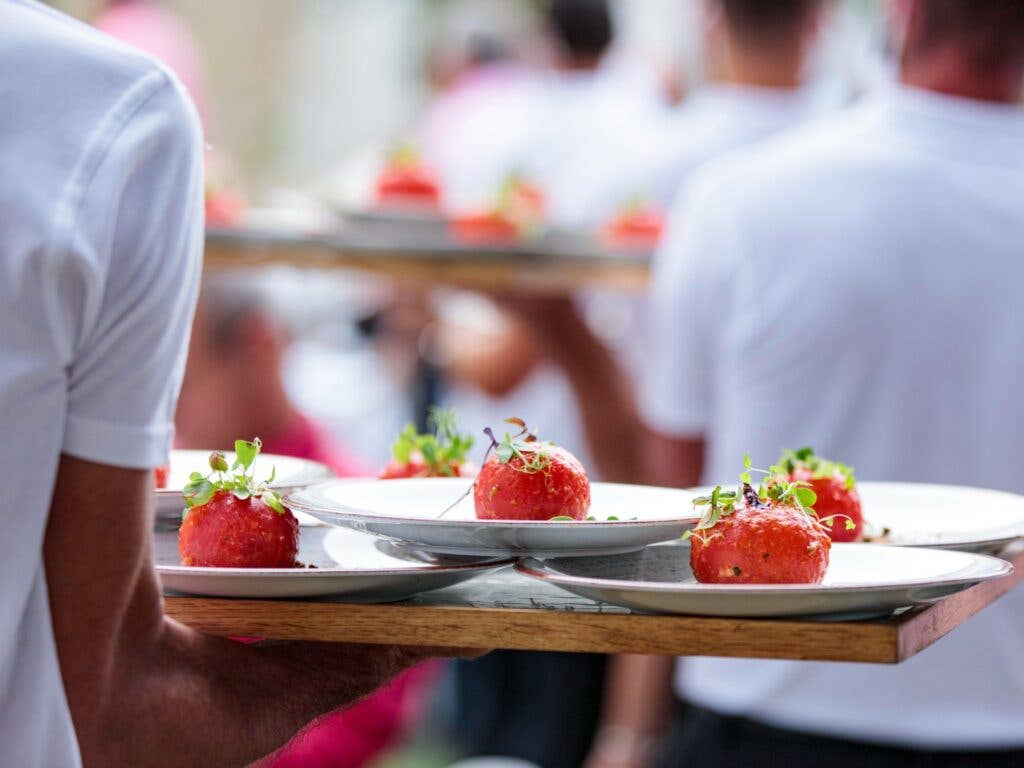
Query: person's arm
(144, 690)
(495, 362)
(624, 448)
(636, 714)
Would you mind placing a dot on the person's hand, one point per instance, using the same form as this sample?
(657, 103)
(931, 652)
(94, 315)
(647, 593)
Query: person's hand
(620, 747)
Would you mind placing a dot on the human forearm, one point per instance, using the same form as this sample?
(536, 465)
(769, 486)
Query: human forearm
(196, 700)
(638, 703)
(146, 691)
(604, 393)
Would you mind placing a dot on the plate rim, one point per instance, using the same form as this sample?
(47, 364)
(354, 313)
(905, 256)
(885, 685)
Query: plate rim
(203, 571)
(352, 513)
(539, 569)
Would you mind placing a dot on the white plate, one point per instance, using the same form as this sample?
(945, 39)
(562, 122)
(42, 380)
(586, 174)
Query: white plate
(291, 474)
(938, 516)
(410, 511)
(350, 565)
(942, 516)
(861, 581)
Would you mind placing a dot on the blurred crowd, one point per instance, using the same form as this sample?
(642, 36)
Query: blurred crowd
(824, 153)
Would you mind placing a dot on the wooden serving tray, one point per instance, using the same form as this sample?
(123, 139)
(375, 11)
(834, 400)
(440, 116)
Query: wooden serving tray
(505, 610)
(552, 264)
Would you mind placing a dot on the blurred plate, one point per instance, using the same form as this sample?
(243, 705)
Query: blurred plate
(291, 474)
(349, 565)
(386, 216)
(410, 511)
(861, 582)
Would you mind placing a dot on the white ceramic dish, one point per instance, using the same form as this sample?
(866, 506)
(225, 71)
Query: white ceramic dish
(941, 516)
(938, 516)
(350, 566)
(410, 511)
(291, 473)
(861, 581)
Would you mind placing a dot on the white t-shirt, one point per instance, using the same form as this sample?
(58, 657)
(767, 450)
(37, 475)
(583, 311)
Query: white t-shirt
(712, 121)
(101, 214)
(851, 287)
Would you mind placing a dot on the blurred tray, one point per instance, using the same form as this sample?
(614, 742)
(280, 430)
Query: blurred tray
(505, 610)
(553, 262)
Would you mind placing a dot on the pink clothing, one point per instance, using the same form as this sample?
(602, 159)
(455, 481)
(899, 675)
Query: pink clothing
(354, 737)
(304, 440)
(161, 34)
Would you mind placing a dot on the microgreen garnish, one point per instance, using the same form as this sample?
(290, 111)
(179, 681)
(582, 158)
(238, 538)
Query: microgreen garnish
(441, 450)
(523, 445)
(775, 489)
(805, 459)
(518, 445)
(237, 478)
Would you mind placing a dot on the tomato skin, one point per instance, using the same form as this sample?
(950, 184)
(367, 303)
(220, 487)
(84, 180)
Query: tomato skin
(637, 229)
(417, 467)
(160, 475)
(484, 227)
(837, 501)
(412, 185)
(504, 491)
(774, 545)
(228, 532)
(223, 209)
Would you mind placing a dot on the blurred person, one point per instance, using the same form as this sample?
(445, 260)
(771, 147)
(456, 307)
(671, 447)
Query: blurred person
(505, 704)
(823, 289)
(101, 196)
(581, 156)
(235, 331)
(756, 55)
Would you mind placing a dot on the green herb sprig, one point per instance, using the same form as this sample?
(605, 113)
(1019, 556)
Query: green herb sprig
(523, 445)
(805, 458)
(237, 478)
(441, 449)
(774, 489)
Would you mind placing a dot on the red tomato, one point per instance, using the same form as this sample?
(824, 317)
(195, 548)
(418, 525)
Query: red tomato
(527, 201)
(484, 227)
(836, 505)
(417, 467)
(512, 491)
(408, 185)
(771, 544)
(639, 228)
(228, 532)
(160, 476)
(223, 209)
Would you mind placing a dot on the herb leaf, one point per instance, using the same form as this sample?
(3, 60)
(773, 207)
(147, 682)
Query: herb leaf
(441, 450)
(199, 489)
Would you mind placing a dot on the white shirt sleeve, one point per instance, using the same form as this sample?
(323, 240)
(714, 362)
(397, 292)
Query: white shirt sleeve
(692, 287)
(129, 293)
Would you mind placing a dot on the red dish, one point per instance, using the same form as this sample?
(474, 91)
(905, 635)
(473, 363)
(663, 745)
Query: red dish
(228, 532)
(484, 227)
(525, 479)
(414, 186)
(838, 503)
(637, 227)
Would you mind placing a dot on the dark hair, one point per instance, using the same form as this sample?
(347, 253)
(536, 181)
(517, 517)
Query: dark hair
(766, 21)
(990, 32)
(583, 26)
